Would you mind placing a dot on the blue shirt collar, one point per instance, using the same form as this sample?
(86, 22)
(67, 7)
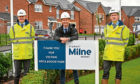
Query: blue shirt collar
(22, 25)
(65, 28)
(117, 23)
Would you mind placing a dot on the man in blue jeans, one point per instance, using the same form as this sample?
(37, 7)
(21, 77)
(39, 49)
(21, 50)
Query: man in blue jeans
(64, 34)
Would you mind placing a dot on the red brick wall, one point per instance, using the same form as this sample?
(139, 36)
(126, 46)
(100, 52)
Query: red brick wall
(39, 16)
(3, 4)
(103, 22)
(128, 21)
(36, 16)
(108, 19)
(101, 10)
(88, 20)
(131, 22)
(85, 19)
(3, 26)
(125, 18)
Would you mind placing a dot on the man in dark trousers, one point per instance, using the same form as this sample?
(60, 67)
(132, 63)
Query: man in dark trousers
(22, 36)
(64, 34)
(116, 37)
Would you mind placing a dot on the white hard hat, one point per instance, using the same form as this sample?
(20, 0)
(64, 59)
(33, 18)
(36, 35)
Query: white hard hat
(21, 12)
(65, 15)
(113, 11)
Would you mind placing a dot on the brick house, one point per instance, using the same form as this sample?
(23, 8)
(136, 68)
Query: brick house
(92, 16)
(131, 17)
(5, 22)
(39, 12)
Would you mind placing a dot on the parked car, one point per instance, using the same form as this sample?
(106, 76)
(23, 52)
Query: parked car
(42, 35)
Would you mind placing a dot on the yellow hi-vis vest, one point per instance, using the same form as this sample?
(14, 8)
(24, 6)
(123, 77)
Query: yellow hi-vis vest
(22, 39)
(116, 41)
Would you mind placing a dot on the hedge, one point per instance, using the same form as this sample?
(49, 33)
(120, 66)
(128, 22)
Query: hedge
(5, 64)
(52, 76)
(34, 77)
(132, 52)
(138, 36)
(132, 39)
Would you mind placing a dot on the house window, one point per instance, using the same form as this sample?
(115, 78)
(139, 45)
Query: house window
(57, 13)
(38, 8)
(58, 24)
(134, 28)
(6, 8)
(72, 14)
(38, 25)
(99, 18)
(73, 24)
(99, 29)
(50, 9)
(137, 19)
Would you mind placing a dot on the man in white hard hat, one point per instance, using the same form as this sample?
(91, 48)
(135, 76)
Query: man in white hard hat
(116, 37)
(64, 34)
(22, 36)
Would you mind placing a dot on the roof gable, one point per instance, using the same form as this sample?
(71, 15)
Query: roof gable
(63, 4)
(130, 10)
(66, 5)
(106, 9)
(137, 13)
(90, 6)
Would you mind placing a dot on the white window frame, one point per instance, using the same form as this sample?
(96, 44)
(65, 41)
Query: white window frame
(73, 23)
(38, 25)
(50, 9)
(6, 8)
(137, 19)
(134, 28)
(38, 8)
(57, 13)
(96, 29)
(72, 14)
(58, 24)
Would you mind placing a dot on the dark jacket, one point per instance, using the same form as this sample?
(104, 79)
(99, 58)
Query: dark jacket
(71, 33)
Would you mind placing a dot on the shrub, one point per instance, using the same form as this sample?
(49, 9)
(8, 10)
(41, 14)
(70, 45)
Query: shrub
(138, 36)
(132, 39)
(132, 51)
(5, 63)
(101, 44)
(52, 76)
(34, 77)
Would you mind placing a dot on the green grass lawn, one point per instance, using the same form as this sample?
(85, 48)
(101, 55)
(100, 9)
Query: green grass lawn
(131, 74)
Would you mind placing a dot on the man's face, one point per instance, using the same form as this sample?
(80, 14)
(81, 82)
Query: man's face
(114, 17)
(21, 19)
(65, 22)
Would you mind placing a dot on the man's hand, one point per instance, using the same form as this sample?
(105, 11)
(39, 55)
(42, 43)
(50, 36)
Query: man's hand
(64, 39)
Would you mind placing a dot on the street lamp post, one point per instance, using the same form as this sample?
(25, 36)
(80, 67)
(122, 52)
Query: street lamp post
(120, 8)
(12, 23)
(29, 9)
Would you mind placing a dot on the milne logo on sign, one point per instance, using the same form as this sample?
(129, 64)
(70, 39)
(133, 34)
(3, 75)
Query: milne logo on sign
(79, 51)
(76, 55)
(81, 54)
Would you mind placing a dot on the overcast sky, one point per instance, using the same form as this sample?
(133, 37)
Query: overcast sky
(115, 3)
